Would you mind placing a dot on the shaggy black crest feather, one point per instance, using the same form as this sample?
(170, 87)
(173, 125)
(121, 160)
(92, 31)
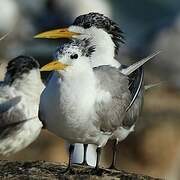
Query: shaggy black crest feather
(84, 45)
(100, 21)
(18, 66)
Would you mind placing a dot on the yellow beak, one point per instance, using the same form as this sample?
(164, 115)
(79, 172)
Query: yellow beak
(54, 65)
(57, 33)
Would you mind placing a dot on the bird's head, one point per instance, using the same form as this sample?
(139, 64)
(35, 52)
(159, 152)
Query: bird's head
(94, 25)
(77, 52)
(22, 69)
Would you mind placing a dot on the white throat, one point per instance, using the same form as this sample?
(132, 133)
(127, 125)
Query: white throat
(78, 70)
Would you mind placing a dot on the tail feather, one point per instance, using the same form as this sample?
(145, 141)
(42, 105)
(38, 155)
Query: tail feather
(4, 36)
(130, 69)
(150, 86)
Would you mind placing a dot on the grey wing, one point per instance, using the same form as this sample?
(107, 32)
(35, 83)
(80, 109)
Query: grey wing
(7, 104)
(112, 113)
(9, 129)
(8, 113)
(136, 87)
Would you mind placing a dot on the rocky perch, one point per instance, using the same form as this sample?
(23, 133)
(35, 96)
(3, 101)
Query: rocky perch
(19, 170)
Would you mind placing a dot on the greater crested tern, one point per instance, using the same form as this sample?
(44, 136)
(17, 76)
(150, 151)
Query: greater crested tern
(86, 104)
(19, 105)
(107, 37)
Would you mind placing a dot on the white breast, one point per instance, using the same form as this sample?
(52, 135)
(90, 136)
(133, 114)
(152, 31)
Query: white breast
(68, 107)
(66, 104)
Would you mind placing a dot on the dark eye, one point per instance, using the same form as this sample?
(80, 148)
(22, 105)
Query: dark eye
(74, 56)
(87, 25)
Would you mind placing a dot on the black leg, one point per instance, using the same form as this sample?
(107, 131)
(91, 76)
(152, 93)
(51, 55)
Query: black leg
(98, 151)
(114, 155)
(84, 163)
(71, 150)
(97, 170)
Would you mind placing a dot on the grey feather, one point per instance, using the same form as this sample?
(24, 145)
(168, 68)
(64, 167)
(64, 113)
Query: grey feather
(9, 111)
(136, 85)
(10, 103)
(150, 86)
(112, 113)
(137, 92)
(134, 112)
(10, 129)
(135, 66)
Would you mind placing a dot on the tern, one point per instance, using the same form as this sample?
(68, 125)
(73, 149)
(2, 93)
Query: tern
(19, 105)
(86, 104)
(107, 37)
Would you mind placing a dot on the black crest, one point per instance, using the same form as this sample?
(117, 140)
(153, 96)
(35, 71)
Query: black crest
(100, 21)
(18, 66)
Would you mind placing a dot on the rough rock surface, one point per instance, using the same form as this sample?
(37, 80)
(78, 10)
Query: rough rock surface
(46, 170)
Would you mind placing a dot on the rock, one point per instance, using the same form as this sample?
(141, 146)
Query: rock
(46, 170)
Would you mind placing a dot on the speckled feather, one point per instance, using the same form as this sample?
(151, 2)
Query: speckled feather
(84, 46)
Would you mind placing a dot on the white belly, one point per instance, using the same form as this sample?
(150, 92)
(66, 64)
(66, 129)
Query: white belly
(70, 113)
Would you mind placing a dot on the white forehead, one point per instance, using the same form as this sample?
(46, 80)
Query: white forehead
(76, 29)
(98, 35)
(86, 33)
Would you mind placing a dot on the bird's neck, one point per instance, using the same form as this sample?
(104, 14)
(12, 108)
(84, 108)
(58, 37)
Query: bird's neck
(30, 84)
(78, 76)
(78, 70)
(105, 48)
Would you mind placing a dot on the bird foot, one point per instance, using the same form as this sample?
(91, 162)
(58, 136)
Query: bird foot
(84, 163)
(96, 171)
(68, 170)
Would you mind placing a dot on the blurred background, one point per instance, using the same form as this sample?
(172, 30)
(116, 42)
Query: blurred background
(149, 26)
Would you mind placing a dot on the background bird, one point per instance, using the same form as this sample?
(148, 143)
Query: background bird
(19, 105)
(88, 104)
